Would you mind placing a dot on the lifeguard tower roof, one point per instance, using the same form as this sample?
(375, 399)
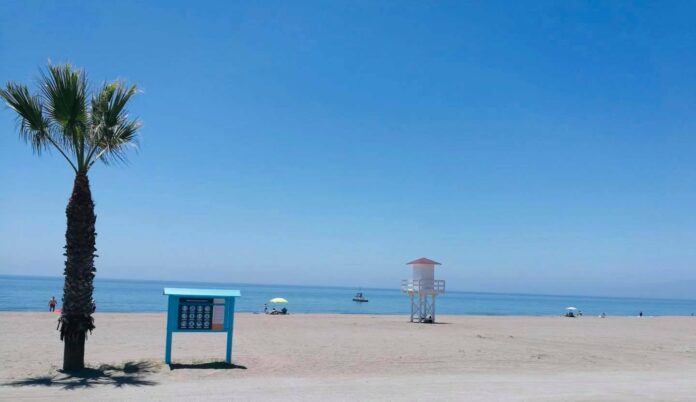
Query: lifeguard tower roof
(423, 261)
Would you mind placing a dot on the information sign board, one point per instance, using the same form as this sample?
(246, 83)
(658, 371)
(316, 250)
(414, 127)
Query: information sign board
(200, 310)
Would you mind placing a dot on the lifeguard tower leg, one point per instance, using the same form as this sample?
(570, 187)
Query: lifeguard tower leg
(434, 296)
(412, 307)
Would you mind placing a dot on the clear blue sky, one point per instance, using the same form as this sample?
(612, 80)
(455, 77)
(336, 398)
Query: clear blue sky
(536, 147)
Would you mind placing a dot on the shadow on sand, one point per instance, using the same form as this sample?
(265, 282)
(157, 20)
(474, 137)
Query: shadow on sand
(431, 323)
(209, 366)
(129, 374)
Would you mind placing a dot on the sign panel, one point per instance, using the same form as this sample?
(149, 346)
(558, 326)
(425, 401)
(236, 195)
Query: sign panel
(201, 314)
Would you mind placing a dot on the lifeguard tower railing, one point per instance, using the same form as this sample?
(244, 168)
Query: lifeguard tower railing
(423, 286)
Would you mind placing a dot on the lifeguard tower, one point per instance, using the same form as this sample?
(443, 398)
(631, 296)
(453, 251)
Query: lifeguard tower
(422, 289)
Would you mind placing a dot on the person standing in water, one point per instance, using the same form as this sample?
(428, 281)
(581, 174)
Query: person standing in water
(52, 304)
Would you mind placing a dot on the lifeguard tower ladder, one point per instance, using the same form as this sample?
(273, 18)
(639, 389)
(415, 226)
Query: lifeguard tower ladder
(423, 289)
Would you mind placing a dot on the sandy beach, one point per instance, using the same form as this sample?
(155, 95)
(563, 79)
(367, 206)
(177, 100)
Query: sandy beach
(359, 357)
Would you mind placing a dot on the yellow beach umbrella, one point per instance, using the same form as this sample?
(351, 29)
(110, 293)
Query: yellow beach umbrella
(278, 300)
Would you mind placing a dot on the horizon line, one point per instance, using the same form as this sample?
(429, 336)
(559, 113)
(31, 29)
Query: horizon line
(346, 287)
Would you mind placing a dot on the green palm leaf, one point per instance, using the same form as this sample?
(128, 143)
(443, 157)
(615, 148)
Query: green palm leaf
(61, 115)
(111, 130)
(33, 126)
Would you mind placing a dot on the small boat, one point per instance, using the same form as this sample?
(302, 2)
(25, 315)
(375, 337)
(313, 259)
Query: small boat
(359, 298)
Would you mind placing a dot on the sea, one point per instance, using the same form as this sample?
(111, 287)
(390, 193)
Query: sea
(24, 293)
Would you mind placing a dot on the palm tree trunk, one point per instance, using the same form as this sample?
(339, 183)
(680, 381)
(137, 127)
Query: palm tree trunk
(76, 316)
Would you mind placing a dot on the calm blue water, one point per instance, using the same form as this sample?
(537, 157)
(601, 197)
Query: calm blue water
(32, 294)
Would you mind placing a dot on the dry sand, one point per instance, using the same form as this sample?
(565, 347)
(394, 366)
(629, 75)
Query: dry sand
(359, 357)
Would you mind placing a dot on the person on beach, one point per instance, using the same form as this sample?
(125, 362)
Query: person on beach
(52, 304)
(265, 308)
(640, 314)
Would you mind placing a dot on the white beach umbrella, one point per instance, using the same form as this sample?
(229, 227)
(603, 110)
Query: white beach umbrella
(571, 308)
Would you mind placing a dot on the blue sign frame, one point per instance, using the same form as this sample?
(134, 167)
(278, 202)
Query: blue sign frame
(184, 297)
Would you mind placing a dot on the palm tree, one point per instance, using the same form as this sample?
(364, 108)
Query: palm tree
(62, 116)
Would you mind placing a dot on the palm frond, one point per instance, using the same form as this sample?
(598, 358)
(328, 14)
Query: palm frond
(34, 128)
(111, 130)
(112, 147)
(112, 101)
(64, 91)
